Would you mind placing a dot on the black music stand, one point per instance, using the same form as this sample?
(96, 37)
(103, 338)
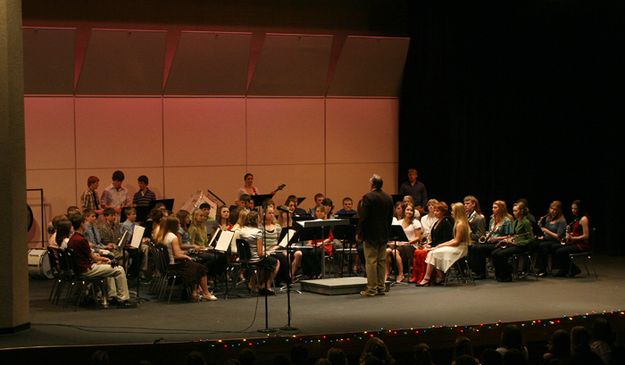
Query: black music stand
(318, 229)
(397, 198)
(347, 234)
(289, 281)
(260, 199)
(169, 204)
(397, 234)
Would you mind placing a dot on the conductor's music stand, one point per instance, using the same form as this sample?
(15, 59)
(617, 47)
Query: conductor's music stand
(347, 235)
(318, 229)
(397, 234)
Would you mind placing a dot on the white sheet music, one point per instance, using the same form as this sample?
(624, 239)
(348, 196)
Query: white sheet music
(286, 238)
(137, 235)
(215, 235)
(224, 241)
(122, 239)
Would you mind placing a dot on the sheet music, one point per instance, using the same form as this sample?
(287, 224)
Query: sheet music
(286, 238)
(225, 238)
(122, 239)
(137, 236)
(215, 235)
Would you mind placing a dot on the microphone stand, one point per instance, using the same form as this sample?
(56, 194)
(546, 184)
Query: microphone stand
(289, 280)
(266, 329)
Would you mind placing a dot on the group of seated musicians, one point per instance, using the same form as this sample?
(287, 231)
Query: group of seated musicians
(435, 240)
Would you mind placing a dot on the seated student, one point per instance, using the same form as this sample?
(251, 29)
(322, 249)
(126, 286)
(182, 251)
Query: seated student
(553, 228)
(52, 229)
(192, 273)
(185, 222)
(136, 255)
(499, 228)
(214, 261)
(110, 232)
(319, 197)
(403, 252)
(348, 208)
(271, 233)
(246, 201)
(441, 231)
(312, 257)
(268, 266)
(208, 221)
(64, 231)
(522, 235)
(92, 234)
(93, 265)
(576, 239)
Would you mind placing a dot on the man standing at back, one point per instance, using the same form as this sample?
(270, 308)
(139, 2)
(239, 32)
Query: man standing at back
(376, 216)
(416, 189)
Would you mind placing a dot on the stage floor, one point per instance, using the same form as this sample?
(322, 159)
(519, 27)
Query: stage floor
(405, 306)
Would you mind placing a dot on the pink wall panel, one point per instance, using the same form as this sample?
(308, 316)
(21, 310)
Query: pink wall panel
(361, 130)
(301, 180)
(49, 132)
(182, 182)
(353, 180)
(59, 187)
(119, 132)
(204, 131)
(284, 131)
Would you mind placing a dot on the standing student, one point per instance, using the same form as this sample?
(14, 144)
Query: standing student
(89, 199)
(115, 195)
(144, 196)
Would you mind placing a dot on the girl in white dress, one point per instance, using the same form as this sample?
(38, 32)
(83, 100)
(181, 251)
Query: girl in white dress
(441, 257)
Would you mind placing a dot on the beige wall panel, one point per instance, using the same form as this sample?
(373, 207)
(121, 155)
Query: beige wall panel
(361, 130)
(284, 131)
(204, 131)
(353, 180)
(300, 180)
(182, 182)
(154, 174)
(59, 191)
(117, 133)
(49, 132)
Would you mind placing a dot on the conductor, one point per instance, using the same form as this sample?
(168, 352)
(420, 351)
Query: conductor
(376, 216)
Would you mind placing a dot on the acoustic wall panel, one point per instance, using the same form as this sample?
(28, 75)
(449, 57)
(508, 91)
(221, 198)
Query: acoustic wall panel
(59, 187)
(182, 182)
(206, 131)
(123, 62)
(285, 131)
(209, 63)
(352, 180)
(49, 132)
(292, 65)
(49, 60)
(119, 132)
(370, 66)
(361, 130)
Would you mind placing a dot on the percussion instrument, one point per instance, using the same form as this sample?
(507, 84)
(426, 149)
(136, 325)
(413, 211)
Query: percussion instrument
(39, 264)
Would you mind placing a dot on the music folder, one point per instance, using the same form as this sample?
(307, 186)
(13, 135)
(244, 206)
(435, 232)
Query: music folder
(213, 240)
(137, 236)
(122, 239)
(259, 199)
(224, 241)
(285, 236)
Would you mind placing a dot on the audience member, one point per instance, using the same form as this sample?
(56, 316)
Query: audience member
(195, 358)
(247, 357)
(559, 348)
(581, 352)
(491, 357)
(421, 355)
(603, 340)
(376, 348)
(336, 356)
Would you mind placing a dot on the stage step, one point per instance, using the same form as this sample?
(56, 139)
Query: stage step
(336, 286)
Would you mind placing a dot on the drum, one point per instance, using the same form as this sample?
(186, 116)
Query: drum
(39, 264)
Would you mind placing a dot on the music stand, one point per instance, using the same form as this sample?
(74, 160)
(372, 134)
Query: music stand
(290, 239)
(169, 204)
(318, 229)
(347, 234)
(397, 234)
(259, 199)
(397, 198)
(300, 199)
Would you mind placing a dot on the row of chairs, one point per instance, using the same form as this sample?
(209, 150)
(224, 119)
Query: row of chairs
(68, 284)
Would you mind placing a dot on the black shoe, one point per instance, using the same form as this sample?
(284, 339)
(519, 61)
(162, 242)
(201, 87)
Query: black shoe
(574, 271)
(265, 291)
(126, 304)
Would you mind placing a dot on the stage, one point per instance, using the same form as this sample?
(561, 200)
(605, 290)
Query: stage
(404, 307)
